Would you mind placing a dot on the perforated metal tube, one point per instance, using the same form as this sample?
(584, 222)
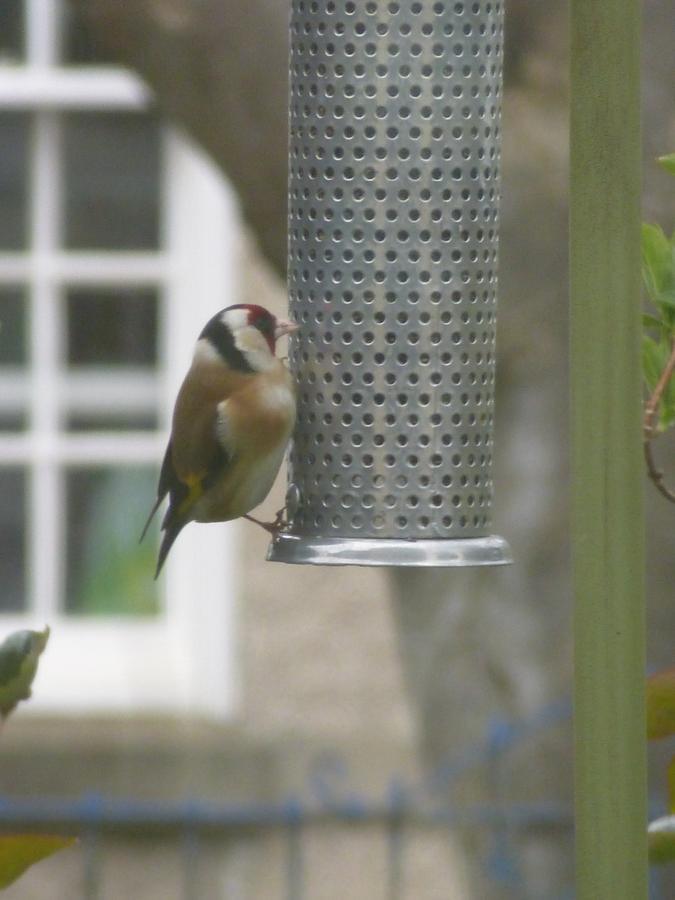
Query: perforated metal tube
(393, 228)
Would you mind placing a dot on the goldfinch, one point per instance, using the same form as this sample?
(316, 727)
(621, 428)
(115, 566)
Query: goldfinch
(233, 417)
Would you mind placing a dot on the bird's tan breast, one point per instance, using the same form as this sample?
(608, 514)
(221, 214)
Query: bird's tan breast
(263, 412)
(261, 418)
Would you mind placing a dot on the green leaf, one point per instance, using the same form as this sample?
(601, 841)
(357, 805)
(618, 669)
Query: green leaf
(19, 851)
(668, 163)
(666, 417)
(667, 412)
(19, 655)
(661, 840)
(661, 704)
(658, 265)
(653, 360)
(650, 321)
(671, 786)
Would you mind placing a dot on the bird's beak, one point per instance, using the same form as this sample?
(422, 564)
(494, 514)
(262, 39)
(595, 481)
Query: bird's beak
(284, 327)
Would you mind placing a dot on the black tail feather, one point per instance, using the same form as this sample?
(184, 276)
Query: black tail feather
(150, 518)
(171, 532)
(167, 484)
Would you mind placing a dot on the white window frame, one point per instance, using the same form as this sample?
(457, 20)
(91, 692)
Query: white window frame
(184, 659)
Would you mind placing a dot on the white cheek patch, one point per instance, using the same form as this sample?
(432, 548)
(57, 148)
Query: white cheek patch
(205, 352)
(254, 347)
(247, 339)
(235, 319)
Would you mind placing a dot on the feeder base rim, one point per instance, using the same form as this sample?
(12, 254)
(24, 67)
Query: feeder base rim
(479, 551)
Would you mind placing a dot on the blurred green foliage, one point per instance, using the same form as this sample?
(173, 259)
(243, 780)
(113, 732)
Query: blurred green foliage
(19, 655)
(661, 724)
(658, 272)
(20, 851)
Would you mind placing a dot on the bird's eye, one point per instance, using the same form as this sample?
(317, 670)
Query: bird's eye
(265, 325)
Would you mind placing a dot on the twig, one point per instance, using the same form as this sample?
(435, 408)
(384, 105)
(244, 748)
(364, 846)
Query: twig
(649, 431)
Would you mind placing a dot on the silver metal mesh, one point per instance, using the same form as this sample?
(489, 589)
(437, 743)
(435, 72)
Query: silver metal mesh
(393, 228)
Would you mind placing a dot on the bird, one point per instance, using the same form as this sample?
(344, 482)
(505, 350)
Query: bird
(232, 420)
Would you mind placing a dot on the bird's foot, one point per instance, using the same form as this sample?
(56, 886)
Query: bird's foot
(274, 527)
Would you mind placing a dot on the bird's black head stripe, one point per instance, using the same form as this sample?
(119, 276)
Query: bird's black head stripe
(220, 337)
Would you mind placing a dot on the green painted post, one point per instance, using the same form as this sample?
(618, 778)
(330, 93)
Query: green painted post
(607, 516)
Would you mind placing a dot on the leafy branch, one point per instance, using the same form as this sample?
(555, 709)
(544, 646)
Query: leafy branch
(19, 657)
(658, 342)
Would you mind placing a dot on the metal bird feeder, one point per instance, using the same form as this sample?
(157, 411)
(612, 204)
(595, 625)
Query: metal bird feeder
(393, 231)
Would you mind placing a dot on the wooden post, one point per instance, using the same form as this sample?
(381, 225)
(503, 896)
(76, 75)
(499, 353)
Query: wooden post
(608, 476)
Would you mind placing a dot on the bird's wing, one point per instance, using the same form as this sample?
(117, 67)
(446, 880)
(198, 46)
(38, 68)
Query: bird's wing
(203, 450)
(191, 468)
(166, 477)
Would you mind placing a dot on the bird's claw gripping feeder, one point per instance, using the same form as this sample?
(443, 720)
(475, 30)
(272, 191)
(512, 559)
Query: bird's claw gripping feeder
(393, 232)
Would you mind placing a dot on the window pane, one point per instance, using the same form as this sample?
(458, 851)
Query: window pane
(11, 31)
(14, 143)
(107, 571)
(112, 327)
(13, 420)
(112, 169)
(12, 540)
(13, 328)
(79, 44)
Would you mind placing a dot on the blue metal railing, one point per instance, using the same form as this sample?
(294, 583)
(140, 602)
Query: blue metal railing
(92, 815)
(326, 798)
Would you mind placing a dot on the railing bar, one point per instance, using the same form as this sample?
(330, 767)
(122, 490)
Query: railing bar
(190, 854)
(92, 860)
(396, 843)
(294, 851)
